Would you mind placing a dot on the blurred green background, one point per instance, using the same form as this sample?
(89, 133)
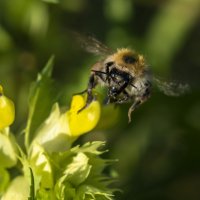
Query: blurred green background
(159, 152)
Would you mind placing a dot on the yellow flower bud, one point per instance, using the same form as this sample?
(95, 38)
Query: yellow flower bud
(87, 119)
(1, 90)
(7, 110)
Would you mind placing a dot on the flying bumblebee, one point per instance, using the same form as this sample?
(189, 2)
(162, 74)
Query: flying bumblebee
(125, 74)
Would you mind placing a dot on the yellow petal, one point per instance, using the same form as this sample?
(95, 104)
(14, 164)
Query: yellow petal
(7, 111)
(87, 119)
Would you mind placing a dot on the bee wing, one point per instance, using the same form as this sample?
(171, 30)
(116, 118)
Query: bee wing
(92, 45)
(171, 88)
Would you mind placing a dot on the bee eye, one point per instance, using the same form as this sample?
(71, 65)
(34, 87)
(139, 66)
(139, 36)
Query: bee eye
(129, 59)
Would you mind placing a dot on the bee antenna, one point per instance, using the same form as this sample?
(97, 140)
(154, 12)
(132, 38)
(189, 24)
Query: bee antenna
(98, 71)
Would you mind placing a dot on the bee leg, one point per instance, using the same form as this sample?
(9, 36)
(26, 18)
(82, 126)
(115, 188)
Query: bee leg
(92, 83)
(136, 103)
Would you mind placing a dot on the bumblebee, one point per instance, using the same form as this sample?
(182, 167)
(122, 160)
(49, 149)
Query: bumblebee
(125, 74)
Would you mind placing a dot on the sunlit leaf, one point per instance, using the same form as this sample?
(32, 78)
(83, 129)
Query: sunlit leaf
(82, 177)
(42, 96)
(78, 170)
(41, 166)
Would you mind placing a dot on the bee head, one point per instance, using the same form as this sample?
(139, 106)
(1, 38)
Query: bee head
(129, 59)
(125, 57)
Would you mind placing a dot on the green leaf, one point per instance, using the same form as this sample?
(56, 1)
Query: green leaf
(37, 170)
(78, 171)
(87, 192)
(28, 173)
(81, 173)
(65, 191)
(45, 194)
(41, 166)
(42, 95)
(90, 147)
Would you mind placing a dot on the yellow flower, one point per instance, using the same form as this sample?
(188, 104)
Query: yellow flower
(84, 121)
(61, 129)
(7, 110)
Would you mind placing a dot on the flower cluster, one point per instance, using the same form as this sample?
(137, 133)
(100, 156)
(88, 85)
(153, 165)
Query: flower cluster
(52, 167)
